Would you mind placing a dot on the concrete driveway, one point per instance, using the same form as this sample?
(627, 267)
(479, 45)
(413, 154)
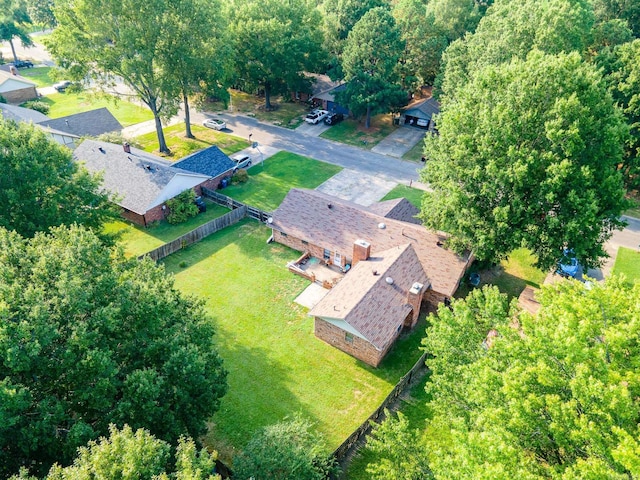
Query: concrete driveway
(399, 142)
(356, 187)
(312, 130)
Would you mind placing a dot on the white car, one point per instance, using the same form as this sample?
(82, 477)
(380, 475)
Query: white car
(242, 161)
(215, 123)
(316, 116)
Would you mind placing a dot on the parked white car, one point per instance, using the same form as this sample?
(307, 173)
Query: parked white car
(215, 123)
(316, 116)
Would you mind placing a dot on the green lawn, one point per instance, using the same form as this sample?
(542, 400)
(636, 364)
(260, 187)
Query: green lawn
(38, 75)
(63, 104)
(628, 263)
(270, 181)
(352, 132)
(414, 195)
(181, 147)
(634, 211)
(137, 240)
(415, 154)
(276, 365)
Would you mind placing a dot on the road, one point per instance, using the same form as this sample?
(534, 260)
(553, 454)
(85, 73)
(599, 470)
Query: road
(37, 53)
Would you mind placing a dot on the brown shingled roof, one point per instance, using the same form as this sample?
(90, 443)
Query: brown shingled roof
(336, 224)
(398, 209)
(365, 300)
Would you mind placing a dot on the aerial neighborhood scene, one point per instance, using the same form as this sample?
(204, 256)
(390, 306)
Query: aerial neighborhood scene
(320, 239)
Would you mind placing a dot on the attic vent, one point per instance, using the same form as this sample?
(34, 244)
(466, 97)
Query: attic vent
(389, 280)
(382, 226)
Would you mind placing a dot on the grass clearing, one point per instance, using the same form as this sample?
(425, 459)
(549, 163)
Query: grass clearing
(276, 365)
(416, 153)
(270, 181)
(352, 132)
(286, 114)
(181, 146)
(414, 195)
(63, 104)
(38, 75)
(137, 240)
(628, 264)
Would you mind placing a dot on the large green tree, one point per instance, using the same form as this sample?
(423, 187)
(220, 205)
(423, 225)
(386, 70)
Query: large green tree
(552, 395)
(42, 187)
(371, 65)
(121, 39)
(275, 42)
(456, 17)
(527, 156)
(14, 18)
(89, 338)
(41, 12)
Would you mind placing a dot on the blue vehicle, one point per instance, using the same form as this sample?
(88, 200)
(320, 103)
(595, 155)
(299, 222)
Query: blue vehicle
(568, 265)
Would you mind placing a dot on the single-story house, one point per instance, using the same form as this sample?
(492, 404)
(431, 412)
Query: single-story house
(327, 100)
(346, 235)
(212, 162)
(421, 114)
(84, 124)
(140, 181)
(16, 89)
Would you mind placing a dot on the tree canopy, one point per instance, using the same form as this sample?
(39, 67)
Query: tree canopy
(42, 187)
(88, 338)
(532, 397)
(527, 156)
(14, 17)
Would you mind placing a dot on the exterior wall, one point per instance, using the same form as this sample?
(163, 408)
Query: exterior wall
(212, 183)
(358, 347)
(153, 215)
(314, 250)
(434, 298)
(21, 95)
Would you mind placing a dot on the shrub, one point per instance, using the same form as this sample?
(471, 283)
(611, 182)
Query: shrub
(182, 207)
(2, 99)
(38, 106)
(241, 176)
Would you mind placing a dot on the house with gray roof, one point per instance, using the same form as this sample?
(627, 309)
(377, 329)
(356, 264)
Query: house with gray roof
(140, 181)
(15, 88)
(84, 124)
(421, 114)
(211, 161)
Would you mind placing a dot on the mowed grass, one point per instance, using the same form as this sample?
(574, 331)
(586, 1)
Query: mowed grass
(63, 104)
(270, 181)
(414, 195)
(136, 240)
(276, 366)
(416, 153)
(181, 146)
(353, 132)
(628, 264)
(38, 75)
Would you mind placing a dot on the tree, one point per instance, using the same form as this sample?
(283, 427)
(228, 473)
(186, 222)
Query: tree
(41, 185)
(527, 156)
(275, 43)
(370, 65)
(626, 10)
(105, 40)
(285, 451)
(455, 17)
(89, 338)
(13, 19)
(532, 397)
(41, 12)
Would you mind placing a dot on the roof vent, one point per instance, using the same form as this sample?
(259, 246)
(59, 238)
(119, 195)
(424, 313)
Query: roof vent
(102, 150)
(329, 205)
(382, 226)
(389, 280)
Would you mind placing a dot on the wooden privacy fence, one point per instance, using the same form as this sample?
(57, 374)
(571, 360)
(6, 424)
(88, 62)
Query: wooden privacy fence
(228, 219)
(220, 199)
(340, 452)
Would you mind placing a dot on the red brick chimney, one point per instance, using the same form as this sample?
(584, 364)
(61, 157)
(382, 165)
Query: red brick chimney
(361, 251)
(414, 298)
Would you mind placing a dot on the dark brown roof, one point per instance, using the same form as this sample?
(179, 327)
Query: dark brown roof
(398, 209)
(336, 224)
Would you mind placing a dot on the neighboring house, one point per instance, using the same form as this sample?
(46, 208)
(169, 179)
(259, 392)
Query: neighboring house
(211, 162)
(335, 231)
(421, 114)
(140, 181)
(84, 124)
(327, 100)
(319, 83)
(16, 89)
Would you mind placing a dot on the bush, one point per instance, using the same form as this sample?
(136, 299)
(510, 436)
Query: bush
(2, 99)
(38, 106)
(241, 176)
(182, 207)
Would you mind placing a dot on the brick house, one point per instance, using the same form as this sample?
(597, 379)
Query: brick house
(141, 182)
(364, 313)
(16, 89)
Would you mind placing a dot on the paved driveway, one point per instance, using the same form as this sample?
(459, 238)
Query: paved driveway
(312, 130)
(399, 142)
(357, 187)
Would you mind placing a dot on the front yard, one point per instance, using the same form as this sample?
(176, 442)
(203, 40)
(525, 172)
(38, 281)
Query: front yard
(352, 132)
(38, 75)
(276, 366)
(628, 264)
(414, 195)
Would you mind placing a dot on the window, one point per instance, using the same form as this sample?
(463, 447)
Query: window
(327, 254)
(348, 337)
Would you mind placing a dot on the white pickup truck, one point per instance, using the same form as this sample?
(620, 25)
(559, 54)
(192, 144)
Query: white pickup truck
(316, 116)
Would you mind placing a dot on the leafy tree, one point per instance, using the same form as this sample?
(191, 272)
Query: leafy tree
(285, 451)
(275, 43)
(103, 40)
(546, 396)
(455, 17)
(42, 187)
(89, 338)
(370, 64)
(14, 17)
(527, 156)
(41, 12)
(626, 10)
(400, 452)
(182, 207)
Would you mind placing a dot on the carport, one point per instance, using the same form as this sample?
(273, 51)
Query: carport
(421, 114)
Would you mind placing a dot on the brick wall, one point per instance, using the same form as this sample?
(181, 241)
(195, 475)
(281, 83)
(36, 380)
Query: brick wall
(358, 348)
(212, 183)
(433, 298)
(297, 244)
(154, 215)
(20, 96)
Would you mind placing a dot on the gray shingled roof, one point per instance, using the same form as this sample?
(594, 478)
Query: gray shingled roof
(21, 114)
(137, 187)
(329, 95)
(85, 124)
(425, 109)
(211, 161)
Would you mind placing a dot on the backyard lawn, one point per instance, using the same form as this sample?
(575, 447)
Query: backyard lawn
(181, 147)
(137, 240)
(628, 263)
(414, 195)
(276, 366)
(63, 104)
(352, 132)
(270, 181)
(38, 75)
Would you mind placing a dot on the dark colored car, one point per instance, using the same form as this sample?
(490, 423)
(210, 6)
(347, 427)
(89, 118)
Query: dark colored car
(23, 64)
(62, 86)
(333, 118)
